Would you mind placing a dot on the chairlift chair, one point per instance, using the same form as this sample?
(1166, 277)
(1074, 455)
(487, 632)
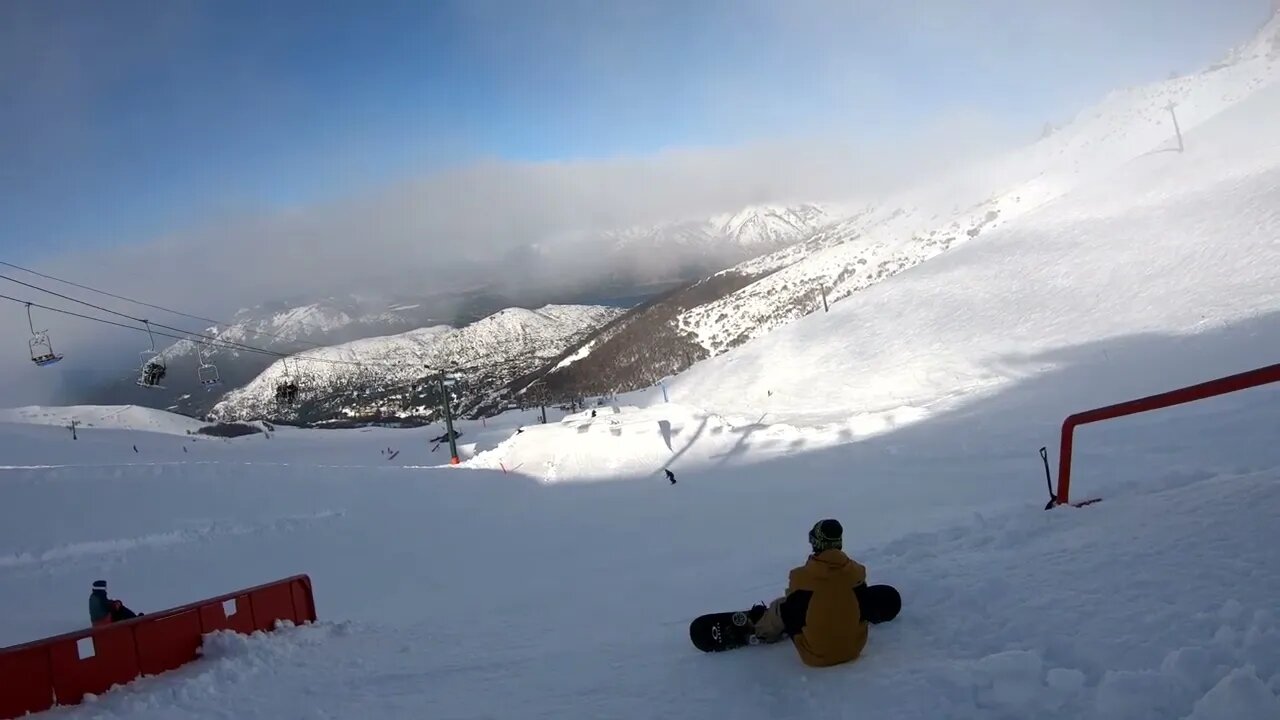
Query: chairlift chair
(207, 371)
(209, 376)
(287, 387)
(287, 391)
(152, 369)
(42, 353)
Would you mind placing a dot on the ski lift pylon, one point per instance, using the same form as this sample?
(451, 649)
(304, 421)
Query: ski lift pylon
(41, 347)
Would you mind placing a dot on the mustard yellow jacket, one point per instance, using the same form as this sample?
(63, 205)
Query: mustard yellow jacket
(834, 631)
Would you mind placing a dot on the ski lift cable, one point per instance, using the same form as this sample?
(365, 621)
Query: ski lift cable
(144, 321)
(219, 342)
(106, 322)
(189, 335)
(165, 309)
(224, 343)
(406, 385)
(211, 340)
(216, 342)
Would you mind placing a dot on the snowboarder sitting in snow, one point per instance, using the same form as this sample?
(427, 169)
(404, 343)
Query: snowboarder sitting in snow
(820, 611)
(103, 610)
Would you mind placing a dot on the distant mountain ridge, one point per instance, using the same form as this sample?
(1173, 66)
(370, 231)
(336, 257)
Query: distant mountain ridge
(683, 250)
(276, 328)
(391, 378)
(646, 260)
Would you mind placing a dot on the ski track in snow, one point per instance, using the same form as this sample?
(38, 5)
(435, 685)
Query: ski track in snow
(196, 531)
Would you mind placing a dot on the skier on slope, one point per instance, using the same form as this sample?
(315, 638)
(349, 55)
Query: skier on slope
(820, 611)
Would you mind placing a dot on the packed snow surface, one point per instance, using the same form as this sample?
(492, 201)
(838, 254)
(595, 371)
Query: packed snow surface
(468, 593)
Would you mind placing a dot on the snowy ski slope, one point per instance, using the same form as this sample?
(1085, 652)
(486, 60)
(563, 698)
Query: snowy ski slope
(553, 574)
(113, 417)
(467, 593)
(1170, 244)
(944, 212)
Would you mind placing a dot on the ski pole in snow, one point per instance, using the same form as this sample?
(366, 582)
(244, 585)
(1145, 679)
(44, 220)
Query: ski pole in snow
(1044, 457)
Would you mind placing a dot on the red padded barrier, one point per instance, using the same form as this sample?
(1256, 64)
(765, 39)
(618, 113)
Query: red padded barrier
(110, 657)
(169, 642)
(271, 604)
(214, 615)
(61, 670)
(27, 681)
(302, 601)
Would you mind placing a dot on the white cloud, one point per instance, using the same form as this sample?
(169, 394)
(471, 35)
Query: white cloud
(461, 228)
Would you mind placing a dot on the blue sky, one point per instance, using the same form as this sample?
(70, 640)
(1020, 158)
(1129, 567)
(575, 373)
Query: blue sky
(125, 121)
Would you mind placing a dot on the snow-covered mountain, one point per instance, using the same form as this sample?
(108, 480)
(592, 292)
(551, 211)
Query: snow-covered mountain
(887, 237)
(644, 261)
(1163, 273)
(389, 377)
(683, 250)
(906, 230)
(748, 232)
(280, 327)
(770, 226)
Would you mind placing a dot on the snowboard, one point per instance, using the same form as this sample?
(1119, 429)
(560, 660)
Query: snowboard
(879, 603)
(721, 631)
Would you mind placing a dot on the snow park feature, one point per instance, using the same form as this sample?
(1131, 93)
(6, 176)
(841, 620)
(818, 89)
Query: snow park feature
(554, 572)
(64, 670)
(1203, 391)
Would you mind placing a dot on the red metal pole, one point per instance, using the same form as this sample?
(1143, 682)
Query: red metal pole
(1202, 391)
(1064, 461)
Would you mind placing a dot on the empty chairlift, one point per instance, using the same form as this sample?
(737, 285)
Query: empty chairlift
(42, 353)
(207, 372)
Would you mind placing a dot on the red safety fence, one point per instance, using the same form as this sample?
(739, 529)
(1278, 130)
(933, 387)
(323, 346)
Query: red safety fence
(61, 670)
(1205, 390)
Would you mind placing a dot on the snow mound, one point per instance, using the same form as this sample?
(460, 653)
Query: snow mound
(625, 442)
